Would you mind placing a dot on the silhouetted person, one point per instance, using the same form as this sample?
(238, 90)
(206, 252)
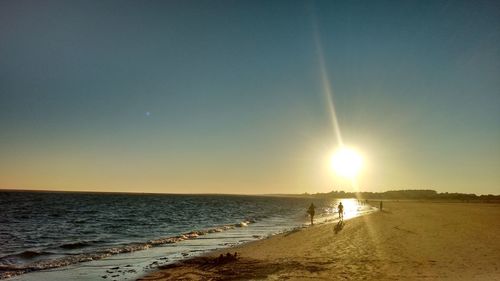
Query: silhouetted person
(381, 205)
(311, 212)
(341, 211)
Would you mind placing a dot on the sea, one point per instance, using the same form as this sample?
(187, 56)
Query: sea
(110, 236)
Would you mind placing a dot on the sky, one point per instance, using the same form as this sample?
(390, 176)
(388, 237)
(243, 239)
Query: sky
(229, 97)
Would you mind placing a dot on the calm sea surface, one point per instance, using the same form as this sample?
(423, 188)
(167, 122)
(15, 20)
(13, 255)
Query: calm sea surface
(83, 236)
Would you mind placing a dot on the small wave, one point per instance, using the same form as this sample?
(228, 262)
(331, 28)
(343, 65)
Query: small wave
(76, 245)
(7, 271)
(26, 255)
(31, 254)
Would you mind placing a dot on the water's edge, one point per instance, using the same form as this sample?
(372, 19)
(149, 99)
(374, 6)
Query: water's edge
(317, 222)
(130, 261)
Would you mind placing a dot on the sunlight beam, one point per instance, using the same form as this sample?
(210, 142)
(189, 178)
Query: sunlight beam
(327, 88)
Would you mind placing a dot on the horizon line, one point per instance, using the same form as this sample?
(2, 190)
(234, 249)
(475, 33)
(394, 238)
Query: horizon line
(215, 193)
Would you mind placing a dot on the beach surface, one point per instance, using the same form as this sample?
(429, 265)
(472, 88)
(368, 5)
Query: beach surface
(405, 241)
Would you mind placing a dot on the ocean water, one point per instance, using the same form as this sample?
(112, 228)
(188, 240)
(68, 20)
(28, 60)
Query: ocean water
(89, 236)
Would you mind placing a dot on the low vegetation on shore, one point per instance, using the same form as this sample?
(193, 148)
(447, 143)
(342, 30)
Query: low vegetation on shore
(410, 194)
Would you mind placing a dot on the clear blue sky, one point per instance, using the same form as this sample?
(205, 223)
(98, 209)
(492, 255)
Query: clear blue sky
(226, 96)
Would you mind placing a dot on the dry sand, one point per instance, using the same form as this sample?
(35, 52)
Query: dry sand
(406, 241)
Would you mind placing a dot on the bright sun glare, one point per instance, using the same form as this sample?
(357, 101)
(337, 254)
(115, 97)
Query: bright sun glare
(347, 162)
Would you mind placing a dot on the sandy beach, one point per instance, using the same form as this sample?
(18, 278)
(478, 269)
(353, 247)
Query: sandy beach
(405, 241)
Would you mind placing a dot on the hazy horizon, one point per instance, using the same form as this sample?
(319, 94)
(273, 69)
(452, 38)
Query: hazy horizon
(229, 97)
(216, 193)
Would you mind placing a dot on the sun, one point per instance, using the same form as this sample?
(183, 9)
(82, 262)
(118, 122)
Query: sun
(347, 162)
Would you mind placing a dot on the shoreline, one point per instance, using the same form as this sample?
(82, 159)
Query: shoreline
(130, 262)
(405, 241)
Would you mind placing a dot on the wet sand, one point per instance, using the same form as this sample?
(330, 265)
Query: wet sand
(405, 241)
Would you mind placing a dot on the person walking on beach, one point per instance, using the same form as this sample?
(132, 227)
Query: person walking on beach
(381, 205)
(341, 211)
(311, 212)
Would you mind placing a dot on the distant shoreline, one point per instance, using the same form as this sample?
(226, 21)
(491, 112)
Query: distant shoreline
(379, 196)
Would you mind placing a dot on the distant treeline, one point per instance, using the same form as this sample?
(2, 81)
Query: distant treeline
(406, 194)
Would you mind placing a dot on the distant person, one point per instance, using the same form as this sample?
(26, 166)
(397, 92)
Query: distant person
(381, 205)
(341, 211)
(311, 212)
